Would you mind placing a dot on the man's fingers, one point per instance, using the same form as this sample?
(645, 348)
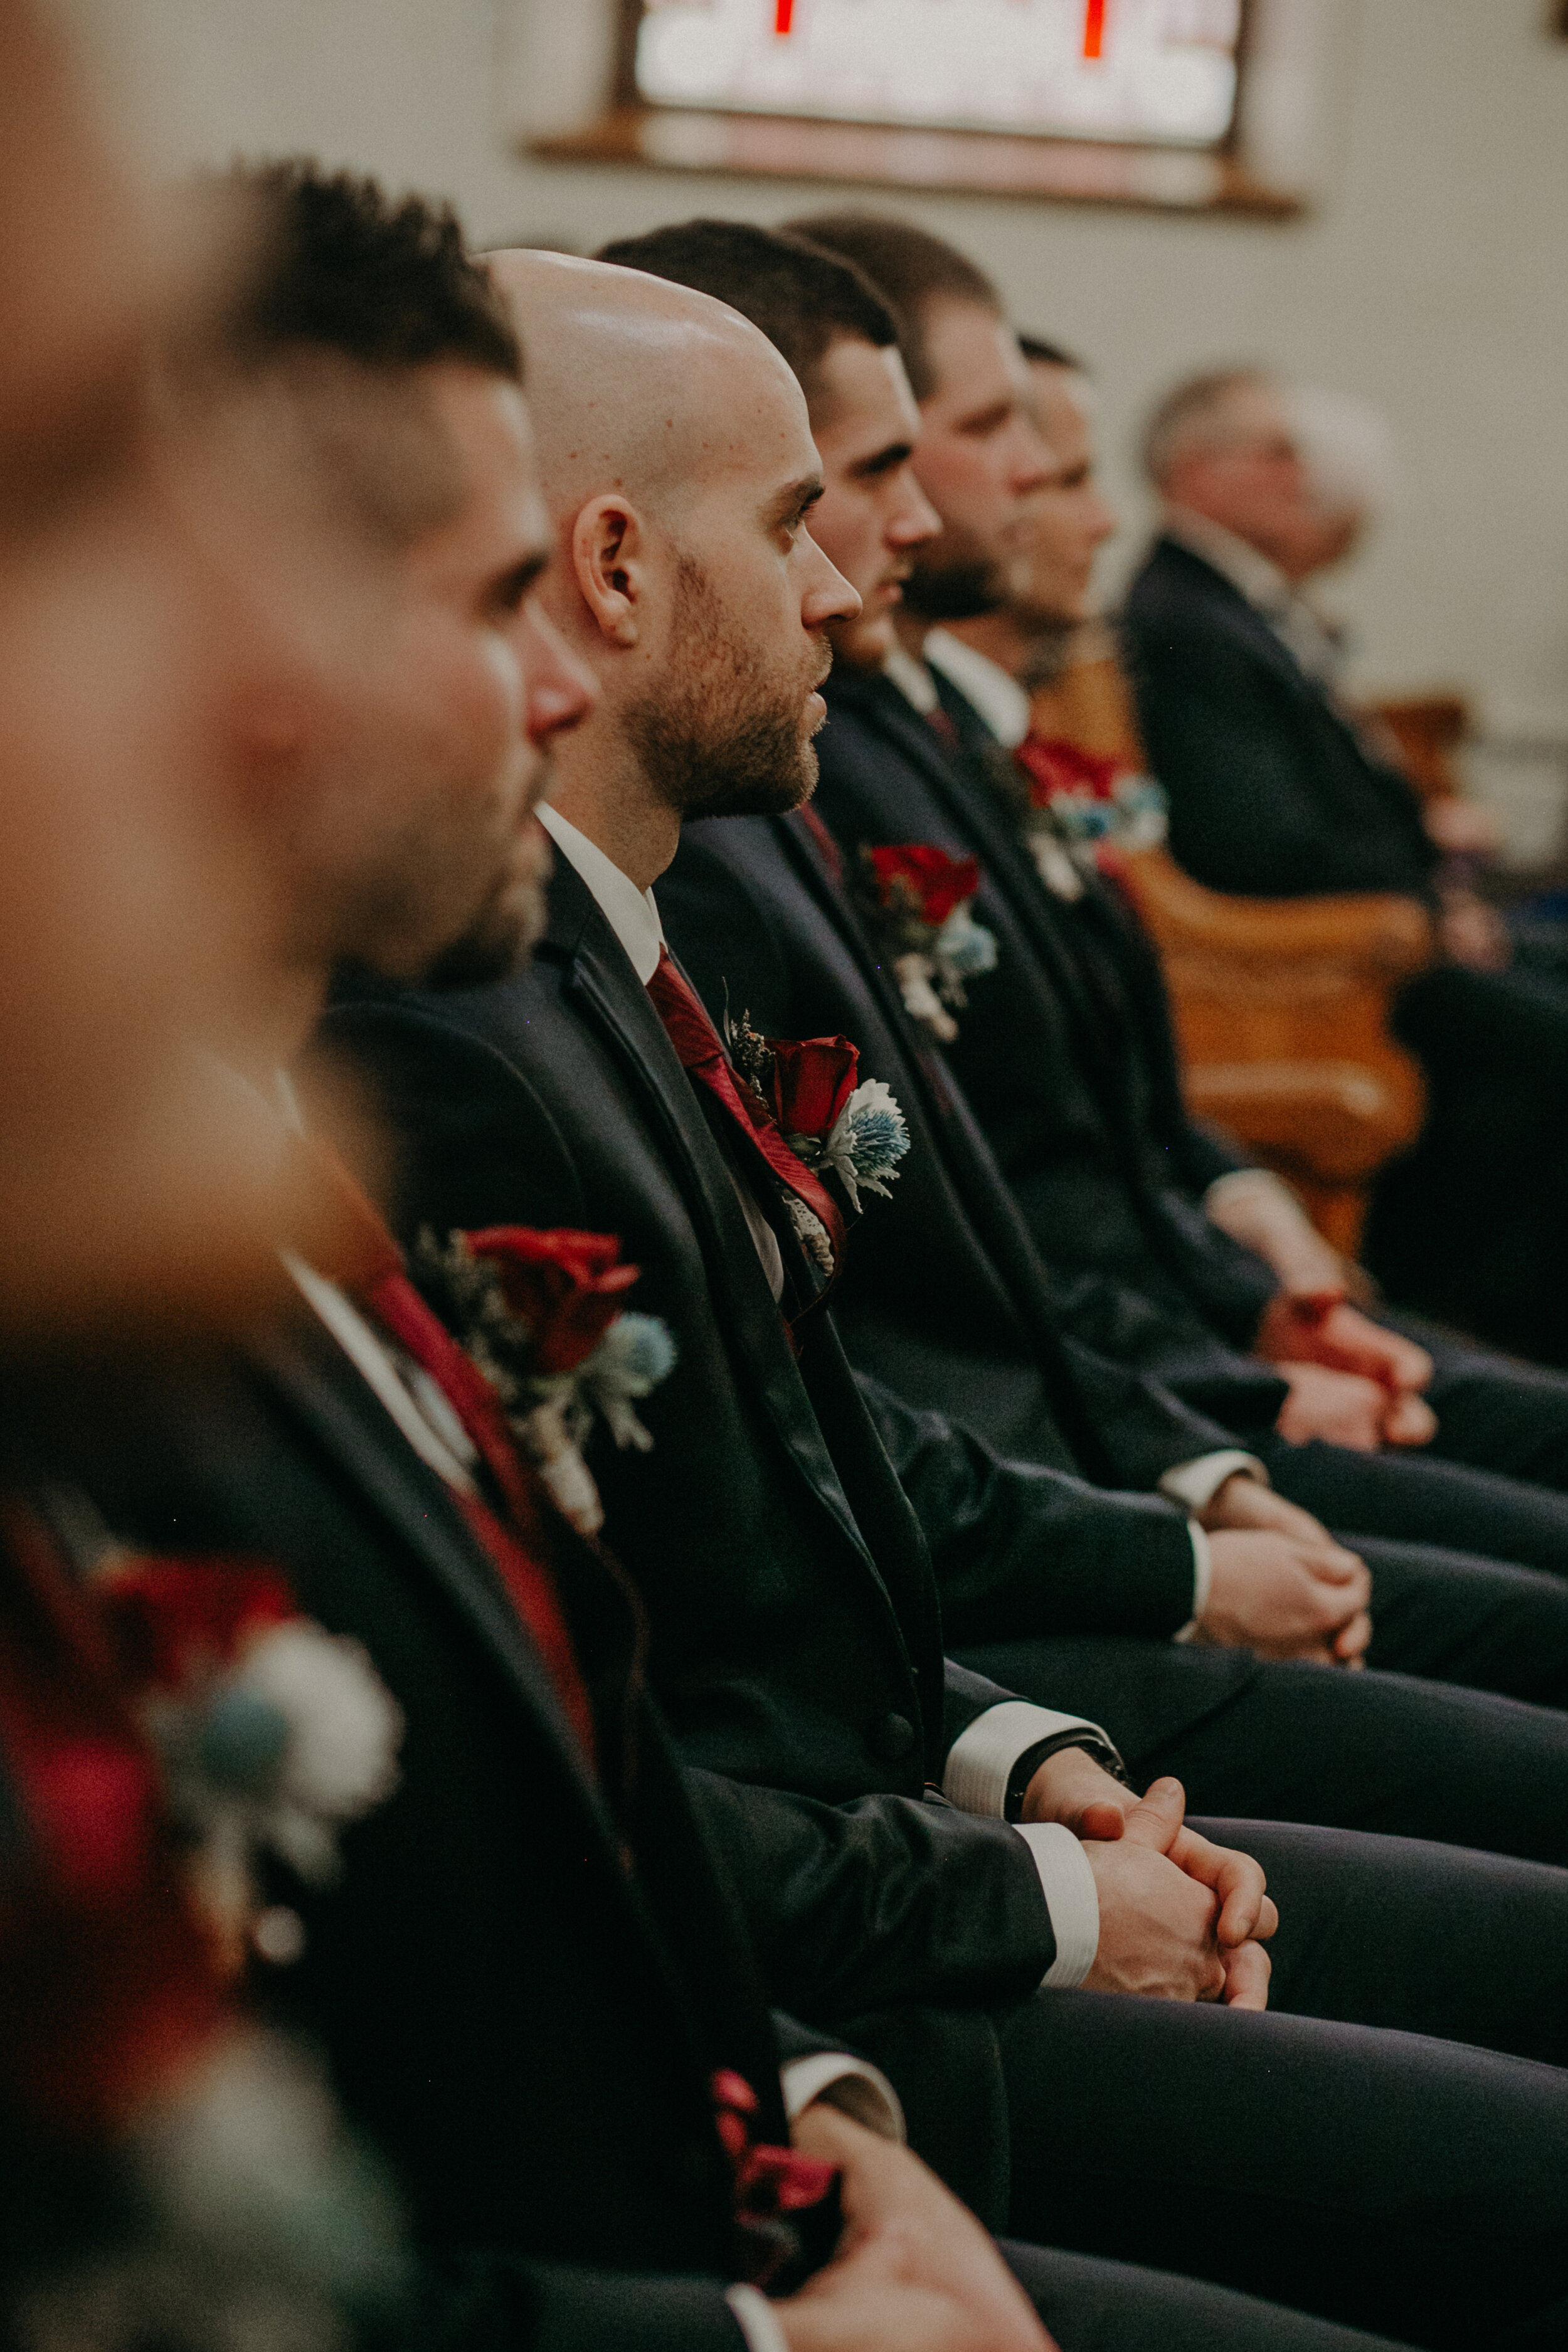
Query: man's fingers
(1156, 1820)
(1332, 1564)
(1352, 1643)
(1409, 1420)
(1104, 1823)
(1235, 1878)
(1246, 1973)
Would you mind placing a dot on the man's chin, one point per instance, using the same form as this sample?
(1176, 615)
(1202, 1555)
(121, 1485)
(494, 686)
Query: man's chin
(497, 945)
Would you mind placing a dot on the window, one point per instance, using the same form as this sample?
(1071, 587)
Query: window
(1163, 71)
(1182, 104)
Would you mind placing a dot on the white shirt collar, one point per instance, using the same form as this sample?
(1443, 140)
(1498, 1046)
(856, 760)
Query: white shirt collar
(1000, 699)
(912, 678)
(630, 913)
(1252, 575)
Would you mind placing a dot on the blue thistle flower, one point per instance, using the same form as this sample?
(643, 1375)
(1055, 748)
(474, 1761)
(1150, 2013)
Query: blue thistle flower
(877, 1136)
(638, 1351)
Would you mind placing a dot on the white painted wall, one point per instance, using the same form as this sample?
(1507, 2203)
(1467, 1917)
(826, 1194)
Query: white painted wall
(1430, 277)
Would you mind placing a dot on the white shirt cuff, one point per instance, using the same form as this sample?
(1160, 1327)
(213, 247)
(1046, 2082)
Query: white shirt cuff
(1196, 1483)
(1203, 1580)
(1067, 1884)
(857, 2089)
(1244, 1182)
(756, 2320)
(980, 1761)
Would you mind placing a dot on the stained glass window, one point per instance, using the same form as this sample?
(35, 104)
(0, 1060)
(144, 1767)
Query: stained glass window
(1160, 72)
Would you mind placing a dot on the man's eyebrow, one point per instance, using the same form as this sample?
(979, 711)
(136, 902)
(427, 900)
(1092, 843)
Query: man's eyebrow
(883, 461)
(514, 583)
(988, 420)
(794, 502)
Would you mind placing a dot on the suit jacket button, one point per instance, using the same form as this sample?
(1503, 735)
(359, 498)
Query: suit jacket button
(893, 1738)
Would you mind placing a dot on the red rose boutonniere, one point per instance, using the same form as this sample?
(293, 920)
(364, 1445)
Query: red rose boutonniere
(827, 1116)
(1081, 803)
(917, 902)
(541, 1314)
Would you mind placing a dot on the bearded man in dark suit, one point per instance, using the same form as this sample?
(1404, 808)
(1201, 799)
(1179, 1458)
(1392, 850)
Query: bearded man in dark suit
(1275, 789)
(1066, 1056)
(794, 1626)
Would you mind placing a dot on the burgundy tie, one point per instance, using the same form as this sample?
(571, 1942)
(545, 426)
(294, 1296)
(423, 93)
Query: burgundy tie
(520, 1544)
(703, 1057)
(943, 728)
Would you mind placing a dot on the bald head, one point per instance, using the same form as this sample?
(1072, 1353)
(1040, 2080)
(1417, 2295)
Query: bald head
(643, 387)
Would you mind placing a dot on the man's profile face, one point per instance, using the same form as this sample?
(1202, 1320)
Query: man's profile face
(426, 859)
(1071, 519)
(979, 461)
(1253, 479)
(872, 515)
(747, 595)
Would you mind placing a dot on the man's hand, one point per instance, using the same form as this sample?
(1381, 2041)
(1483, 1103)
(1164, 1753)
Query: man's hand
(1180, 1919)
(914, 2271)
(1246, 1502)
(1345, 1410)
(1319, 1330)
(1473, 933)
(1287, 1599)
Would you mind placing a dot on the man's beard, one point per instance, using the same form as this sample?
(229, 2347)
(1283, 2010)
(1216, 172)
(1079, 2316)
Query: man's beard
(504, 933)
(954, 579)
(705, 741)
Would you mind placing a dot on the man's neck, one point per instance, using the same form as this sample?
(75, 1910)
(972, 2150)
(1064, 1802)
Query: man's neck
(607, 797)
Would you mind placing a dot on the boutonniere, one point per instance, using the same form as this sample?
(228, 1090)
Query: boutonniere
(541, 1313)
(917, 900)
(1079, 800)
(830, 1120)
(272, 1735)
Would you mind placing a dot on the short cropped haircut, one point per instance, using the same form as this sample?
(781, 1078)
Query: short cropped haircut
(1040, 353)
(910, 268)
(348, 270)
(802, 299)
(1193, 416)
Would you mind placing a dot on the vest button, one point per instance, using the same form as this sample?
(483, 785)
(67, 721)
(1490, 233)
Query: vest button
(893, 1738)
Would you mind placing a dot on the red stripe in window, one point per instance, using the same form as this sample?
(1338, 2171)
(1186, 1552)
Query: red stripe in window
(1093, 27)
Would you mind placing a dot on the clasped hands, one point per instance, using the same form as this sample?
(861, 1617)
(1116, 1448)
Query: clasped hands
(1350, 1382)
(1180, 1918)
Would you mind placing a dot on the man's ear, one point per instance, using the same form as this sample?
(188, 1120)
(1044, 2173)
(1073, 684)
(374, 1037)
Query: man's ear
(609, 559)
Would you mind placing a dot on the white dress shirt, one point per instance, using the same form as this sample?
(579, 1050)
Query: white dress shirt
(980, 1761)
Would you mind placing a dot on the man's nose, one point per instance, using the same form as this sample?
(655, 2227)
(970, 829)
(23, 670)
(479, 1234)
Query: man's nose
(562, 690)
(914, 519)
(828, 595)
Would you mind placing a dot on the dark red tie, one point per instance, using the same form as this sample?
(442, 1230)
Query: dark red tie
(826, 848)
(703, 1057)
(519, 1544)
(943, 728)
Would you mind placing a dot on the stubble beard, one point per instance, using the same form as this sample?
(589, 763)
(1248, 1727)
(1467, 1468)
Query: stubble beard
(705, 743)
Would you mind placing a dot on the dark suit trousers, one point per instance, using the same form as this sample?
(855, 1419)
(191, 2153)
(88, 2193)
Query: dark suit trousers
(1388, 1749)
(1472, 1225)
(1092, 2306)
(1390, 2180)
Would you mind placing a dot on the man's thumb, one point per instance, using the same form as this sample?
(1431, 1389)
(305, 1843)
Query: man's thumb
(1156, 1819)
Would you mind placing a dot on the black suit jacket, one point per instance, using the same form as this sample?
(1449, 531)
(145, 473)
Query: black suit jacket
(524, 2024)
(797, 1641)
(1066, 1059)
(942, 1297)
(1272, 790)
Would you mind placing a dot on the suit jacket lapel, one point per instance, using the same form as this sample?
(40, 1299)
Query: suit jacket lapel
(348, 1420)
(602, 986)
